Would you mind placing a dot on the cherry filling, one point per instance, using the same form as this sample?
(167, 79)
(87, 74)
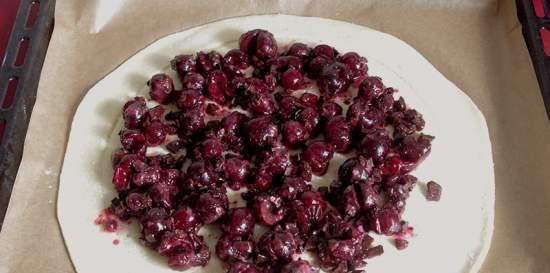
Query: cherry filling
(271, 154)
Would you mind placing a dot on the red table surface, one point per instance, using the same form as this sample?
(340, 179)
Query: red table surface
(8, 12)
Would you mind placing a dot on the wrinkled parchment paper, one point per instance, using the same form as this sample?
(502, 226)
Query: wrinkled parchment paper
(477, 44)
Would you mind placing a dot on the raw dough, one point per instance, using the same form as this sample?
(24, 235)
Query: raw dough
(452, 236)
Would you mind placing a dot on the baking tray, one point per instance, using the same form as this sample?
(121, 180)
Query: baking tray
(19, 75)
(29, 40)
(534, 16)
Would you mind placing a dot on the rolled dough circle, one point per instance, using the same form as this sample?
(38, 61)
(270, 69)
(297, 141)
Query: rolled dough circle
(452, 236)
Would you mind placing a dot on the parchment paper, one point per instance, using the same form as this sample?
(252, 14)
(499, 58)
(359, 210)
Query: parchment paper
(477, 44)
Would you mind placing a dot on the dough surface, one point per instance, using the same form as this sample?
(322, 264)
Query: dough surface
(451, 236)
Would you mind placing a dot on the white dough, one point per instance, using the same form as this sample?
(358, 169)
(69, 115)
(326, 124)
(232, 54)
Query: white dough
(452, 236)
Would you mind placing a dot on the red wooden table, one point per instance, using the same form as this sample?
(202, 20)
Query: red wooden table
(8, 12)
